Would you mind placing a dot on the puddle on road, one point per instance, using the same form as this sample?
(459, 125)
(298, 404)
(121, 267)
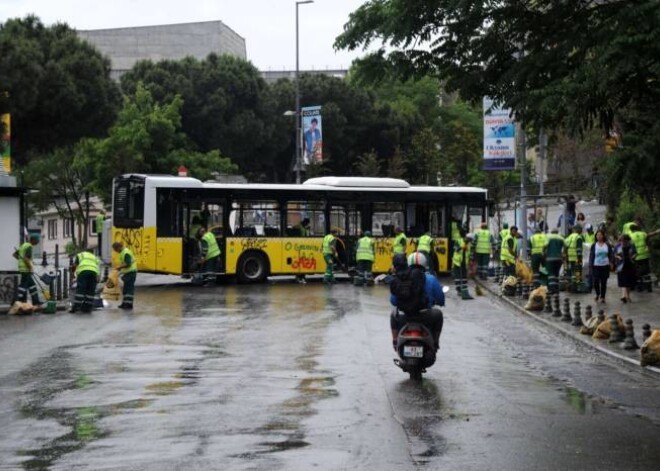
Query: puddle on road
(579, 401)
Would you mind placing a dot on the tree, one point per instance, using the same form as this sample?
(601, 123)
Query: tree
(425, 159)
(58, 87)
(559, 63)
(147, 138)
(460, 131)
(225, 105)
(368, 165)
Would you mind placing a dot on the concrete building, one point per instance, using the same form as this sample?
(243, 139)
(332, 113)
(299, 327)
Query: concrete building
(126, 46)
(272, 76)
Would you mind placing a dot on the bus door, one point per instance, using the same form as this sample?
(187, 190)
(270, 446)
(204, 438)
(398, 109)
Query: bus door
(169, 231)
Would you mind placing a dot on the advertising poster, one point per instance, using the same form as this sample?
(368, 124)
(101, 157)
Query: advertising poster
(312, 135)
(499, 138)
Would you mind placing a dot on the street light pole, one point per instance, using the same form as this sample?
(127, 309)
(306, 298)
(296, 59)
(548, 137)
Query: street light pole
(298, 117)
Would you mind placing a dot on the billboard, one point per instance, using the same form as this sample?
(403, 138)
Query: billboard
(499, 137)
(5, 147)
(312, 137)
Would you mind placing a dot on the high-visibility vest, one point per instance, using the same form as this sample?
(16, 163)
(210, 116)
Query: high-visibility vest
(122, 256)
(461, 253)
(505, 254)
(538, 242)
(572, 242)
(483, 242)
(424, 243)
(504, 233)
(87, 262)
(455, 233)
(639, 239)
(590, 238)
(365, 249)
(554, 244)
(327, 244)
(212, 248)
(399, 244)
(99, 223)
(22, 250)
(626, 228)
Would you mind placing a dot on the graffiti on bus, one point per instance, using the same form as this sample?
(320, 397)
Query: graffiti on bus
(139, 242)
(254, 243)
(306, 262)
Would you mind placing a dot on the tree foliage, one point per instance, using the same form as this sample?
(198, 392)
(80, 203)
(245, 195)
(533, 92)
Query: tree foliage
(58, 87)
(555, 63)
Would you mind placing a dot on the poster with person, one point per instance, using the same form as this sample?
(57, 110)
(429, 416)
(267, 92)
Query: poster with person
(312, 135)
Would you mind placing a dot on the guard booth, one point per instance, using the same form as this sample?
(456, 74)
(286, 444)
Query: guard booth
(11, 235)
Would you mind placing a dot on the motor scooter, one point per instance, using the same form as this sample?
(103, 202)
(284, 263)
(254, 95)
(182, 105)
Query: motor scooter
(415, 346)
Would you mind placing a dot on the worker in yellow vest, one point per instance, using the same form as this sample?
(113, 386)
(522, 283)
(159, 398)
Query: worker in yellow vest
(210, 255)
(86, 269)
(627, 227)
(460, 261)
(642, 257)
(27, 284)
(537, 243)
(509, 251)
(364, 256)
(128, 271)
(399, 243)
(329, 249)
(483, 248)
(425, 246)
(573, 269)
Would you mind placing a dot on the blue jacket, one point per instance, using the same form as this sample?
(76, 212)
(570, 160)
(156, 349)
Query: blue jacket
(432, 290)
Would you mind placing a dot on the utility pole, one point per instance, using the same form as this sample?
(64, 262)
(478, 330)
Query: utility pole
(543, 148)
(298, 116)
(522, 159)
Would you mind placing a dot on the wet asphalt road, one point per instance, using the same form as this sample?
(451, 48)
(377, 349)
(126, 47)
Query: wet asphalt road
(290, 377)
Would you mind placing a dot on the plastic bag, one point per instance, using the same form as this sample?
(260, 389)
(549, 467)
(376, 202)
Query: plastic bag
(523, 272)
(112, 288)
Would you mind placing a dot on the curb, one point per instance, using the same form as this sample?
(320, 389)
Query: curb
(581, 339)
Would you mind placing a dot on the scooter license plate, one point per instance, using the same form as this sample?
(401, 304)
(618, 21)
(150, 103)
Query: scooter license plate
(412, 351)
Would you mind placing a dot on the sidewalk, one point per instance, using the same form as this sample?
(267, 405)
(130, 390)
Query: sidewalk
(642, 310)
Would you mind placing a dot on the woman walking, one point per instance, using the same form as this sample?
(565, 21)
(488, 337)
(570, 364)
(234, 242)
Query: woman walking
(625, 266)
(601, 258)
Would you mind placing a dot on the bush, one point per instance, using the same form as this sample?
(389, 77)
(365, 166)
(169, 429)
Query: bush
(70, 248)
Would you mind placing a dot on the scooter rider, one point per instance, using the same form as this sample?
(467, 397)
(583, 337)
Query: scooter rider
(431, 316)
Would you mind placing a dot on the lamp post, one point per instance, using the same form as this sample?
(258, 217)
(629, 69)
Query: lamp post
(298, 117)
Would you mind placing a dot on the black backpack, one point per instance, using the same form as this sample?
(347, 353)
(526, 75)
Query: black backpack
(408, 287)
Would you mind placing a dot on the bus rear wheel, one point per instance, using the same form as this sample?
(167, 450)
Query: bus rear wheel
(252, 268)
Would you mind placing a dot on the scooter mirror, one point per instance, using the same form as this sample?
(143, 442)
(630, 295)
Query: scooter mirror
(445, 289)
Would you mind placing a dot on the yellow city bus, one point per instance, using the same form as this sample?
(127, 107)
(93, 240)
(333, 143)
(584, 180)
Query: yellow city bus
(256, 225)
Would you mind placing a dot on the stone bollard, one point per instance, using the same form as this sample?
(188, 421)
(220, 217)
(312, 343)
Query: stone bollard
(601, 317)
(577, 315)
(587, 313)
(548, 304)
(629, 343)
(566, 314)
(646, 332)
(615, 334)
(556, 312)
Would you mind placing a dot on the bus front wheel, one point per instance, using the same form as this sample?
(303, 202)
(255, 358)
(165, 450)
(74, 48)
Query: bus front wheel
(252, 268)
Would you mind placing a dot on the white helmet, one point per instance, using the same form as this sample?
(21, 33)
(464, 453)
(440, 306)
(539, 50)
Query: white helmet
(417, 258)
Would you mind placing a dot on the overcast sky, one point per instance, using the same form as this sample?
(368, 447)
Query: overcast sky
(268, 26)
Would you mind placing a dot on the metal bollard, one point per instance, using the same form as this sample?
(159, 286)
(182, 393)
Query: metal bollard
(548, 304)
(646, 332)
(615, 334)
(587, 313)
(577, 315)
(601, 317)
(629, 343)
(566, 314)
(44, 259)
(557, 311)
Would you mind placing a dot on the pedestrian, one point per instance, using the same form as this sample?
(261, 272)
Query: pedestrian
(210, 255)
(589, 235)
(86, 269)
(642, 258)
(624, 253)
(581, 219)
(425, 246)
(483, 248)
(128, 271)
(329, 249)
(399, 243)
(627, 227)
(571, 210)
(573, 269)
(26, 268)
(601, 260)
(508, 252)
(537, 244)
(98, 223)
(365, 255)
(540, 220)
(460, 261)
(553, 253)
